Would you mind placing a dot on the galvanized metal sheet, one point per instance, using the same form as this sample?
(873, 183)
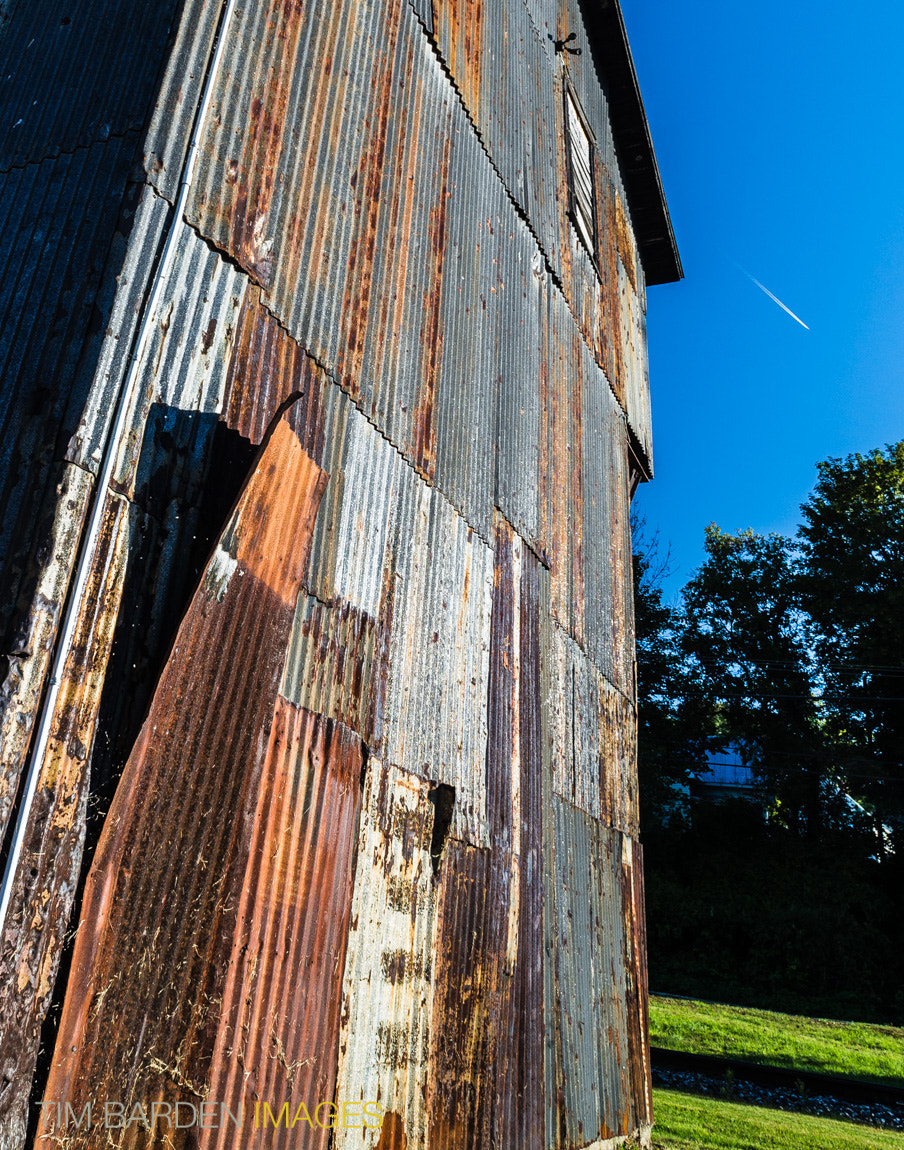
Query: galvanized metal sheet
(590, 1006)
(337, 665)
(76, 78)
(436, 707)
(162, 896)
(276, 1040)
(187, 357)
(387, 995)
(171, 119)
(487, 1061)
(104, 362)
(507, 79)
(57, 541)
(55, 224)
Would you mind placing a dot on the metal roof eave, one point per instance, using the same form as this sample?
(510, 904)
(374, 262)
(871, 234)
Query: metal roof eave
(633, 142)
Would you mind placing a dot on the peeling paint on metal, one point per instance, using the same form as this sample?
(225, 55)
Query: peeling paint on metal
(387, 993)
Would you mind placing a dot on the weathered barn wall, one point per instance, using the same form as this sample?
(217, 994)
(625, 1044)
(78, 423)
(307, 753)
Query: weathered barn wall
(374, 839)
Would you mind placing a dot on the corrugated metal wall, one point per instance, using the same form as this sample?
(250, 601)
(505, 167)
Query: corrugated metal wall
(374, 839)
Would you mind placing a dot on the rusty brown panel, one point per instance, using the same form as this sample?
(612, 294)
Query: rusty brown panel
(618, 759)
(263, 142)
(460, 32)
(523, 1069)
(48, 871)
(370, 213)
(150, 961)
(625, 242)
(613, 352)
(267, 367)
(275, 1044)
(637, 987)
(472, 916)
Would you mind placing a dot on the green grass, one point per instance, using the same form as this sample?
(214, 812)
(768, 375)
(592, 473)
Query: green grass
(689, 1122)
(856, 1049)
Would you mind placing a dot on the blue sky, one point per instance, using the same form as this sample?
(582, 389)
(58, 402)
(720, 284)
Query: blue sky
(779, 130)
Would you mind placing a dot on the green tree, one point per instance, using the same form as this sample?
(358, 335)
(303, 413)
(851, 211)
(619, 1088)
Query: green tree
(852, 586)
(749, 678)
(669, 748)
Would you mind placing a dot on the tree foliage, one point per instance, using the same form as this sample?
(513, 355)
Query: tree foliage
(790, 652)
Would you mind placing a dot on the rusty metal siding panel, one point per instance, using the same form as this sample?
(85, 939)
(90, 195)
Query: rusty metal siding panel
(274, 1044)
(424, 10)
(154, 844)
(521, 393)
(337, 665)
(436, 708)
(186, 359)
(637, 989)
(591, 1005)
(77, 78)
(267, 367)
(47, 875)
(104, 362)
(618, 759)
(56, 538)
(472, 915)
(387, 993)
(506, 77)
(178, 94)
(487, 1060)
(592, 732)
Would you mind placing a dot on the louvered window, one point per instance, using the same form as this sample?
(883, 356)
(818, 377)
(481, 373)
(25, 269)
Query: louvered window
(581, 202)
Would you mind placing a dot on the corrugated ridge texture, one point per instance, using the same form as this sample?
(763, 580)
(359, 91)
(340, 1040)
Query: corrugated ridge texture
(77, 76)
(465, 377)
(155, 843)
(56, 221)
(387, 996)
(275, 1037)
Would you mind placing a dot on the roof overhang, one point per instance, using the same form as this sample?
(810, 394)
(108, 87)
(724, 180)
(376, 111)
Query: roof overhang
(633, 143)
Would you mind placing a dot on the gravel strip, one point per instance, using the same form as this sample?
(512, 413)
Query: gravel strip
(780, 1098)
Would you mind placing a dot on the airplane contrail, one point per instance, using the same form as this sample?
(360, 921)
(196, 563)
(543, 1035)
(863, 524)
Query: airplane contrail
(763, 288)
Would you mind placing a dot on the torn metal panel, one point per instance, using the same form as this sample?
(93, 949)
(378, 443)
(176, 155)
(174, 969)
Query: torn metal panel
(387, 993)
(337, 665)
(31, 646)
(436, 708)
(266, 369)
(276, 1039)
(77, 77)
(47, 875)
(590, 1007)
(159, 915)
